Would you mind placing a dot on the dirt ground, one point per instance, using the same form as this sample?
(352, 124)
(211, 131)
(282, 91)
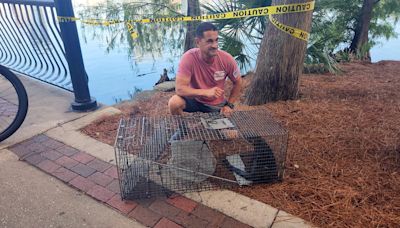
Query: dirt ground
(343, 158)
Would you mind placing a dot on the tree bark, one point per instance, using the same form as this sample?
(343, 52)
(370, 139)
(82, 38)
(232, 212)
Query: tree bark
(280, 60)
(362, 28)
(193, 10)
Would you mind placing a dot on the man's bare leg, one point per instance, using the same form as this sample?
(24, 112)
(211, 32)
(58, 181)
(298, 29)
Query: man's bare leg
(176, 104)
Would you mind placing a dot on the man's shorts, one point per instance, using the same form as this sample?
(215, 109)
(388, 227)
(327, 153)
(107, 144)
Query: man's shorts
(192, 105)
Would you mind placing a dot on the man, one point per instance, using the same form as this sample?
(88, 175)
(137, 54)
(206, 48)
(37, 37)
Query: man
(201, 76)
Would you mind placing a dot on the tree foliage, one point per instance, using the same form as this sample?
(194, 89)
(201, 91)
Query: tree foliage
(154, 39)
(240, 37)
(335, 22)
(333, 27)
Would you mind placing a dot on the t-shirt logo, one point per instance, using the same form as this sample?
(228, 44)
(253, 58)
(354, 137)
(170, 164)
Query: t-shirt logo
(219, 75)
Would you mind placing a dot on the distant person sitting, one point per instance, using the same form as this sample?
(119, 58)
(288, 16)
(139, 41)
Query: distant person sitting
(201, 76)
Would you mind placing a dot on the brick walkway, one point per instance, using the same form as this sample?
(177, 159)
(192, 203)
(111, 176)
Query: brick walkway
(99, 180)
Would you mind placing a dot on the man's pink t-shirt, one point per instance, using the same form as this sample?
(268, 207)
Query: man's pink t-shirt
(208, 75)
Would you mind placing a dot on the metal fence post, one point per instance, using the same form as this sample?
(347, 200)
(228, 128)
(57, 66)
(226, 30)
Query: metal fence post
(79, 79)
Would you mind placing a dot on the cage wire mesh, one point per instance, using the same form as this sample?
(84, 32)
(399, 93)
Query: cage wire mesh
(203, 151)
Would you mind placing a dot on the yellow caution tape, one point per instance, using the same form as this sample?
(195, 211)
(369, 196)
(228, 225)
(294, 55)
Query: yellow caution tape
(298, 33)
(134, 34)
(254, 12)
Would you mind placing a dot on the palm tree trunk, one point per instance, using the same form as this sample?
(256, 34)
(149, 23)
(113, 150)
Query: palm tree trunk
(280, 60)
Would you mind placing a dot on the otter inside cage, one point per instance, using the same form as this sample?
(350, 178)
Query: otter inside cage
(202, 151)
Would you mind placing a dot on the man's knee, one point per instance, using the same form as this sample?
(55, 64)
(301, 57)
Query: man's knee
(176, 104)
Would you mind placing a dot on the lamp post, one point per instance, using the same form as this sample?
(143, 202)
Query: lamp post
(79, 78)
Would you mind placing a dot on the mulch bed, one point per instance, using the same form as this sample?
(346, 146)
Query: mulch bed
(343, 161)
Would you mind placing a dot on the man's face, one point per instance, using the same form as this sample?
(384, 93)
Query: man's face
(208, 44)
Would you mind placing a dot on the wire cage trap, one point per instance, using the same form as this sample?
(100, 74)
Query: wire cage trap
(203, 151)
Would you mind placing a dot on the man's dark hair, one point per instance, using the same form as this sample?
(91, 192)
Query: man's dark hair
(204, 27)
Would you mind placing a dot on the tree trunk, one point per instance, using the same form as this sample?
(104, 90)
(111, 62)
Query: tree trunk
(280, 60)
(193, 10)
(362, 28)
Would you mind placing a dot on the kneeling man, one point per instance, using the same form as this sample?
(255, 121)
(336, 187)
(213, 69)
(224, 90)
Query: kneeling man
(201, 76)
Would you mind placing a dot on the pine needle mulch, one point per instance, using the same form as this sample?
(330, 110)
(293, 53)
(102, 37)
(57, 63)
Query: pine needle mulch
(343, 158)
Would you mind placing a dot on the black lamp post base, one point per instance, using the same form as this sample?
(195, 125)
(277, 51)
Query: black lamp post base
(85, 107)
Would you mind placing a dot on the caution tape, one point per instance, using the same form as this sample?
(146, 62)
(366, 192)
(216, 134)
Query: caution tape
(131, 30)
(298, 33)
(254, 12)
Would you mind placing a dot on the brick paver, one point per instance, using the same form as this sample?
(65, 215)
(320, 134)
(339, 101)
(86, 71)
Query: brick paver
(145, 216)
(64, 174)
(67, 150)
(34, 159)
(82, 183)
(66, 162)
(51, 143)
(124, 206)
(100, 179)
(189, 220)
(83, 170)
(182, 203)
(146, 202)
(215, 218)
(27, 142)
(114, 186)
(82, 157)
(166, 223)
(48, 166)
(99, 165)
(20, 150)
(40, 138)
(163, 208)
(100, 193)
(51, 155)
(38, 148)
(112, 172)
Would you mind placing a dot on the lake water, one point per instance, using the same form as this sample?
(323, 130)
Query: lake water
(115, 72)
(387, 49)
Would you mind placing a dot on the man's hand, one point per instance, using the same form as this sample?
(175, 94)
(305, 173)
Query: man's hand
(226, 111)
(214, 93)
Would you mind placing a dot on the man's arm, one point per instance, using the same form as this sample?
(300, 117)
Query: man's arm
(233, 97)
(184, 90)
(235, 93)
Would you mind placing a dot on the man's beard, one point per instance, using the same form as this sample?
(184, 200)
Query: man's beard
(212, 52)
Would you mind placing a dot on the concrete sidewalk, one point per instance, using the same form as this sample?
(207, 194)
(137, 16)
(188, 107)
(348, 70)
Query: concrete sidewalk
(30, 197)
(49, 107)
(54, 176)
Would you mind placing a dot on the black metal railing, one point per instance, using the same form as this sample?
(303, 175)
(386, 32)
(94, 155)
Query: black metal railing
(33, 42)
(30, 41)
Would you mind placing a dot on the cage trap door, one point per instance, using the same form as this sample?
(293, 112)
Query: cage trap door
(216, 124)
(190, 162)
